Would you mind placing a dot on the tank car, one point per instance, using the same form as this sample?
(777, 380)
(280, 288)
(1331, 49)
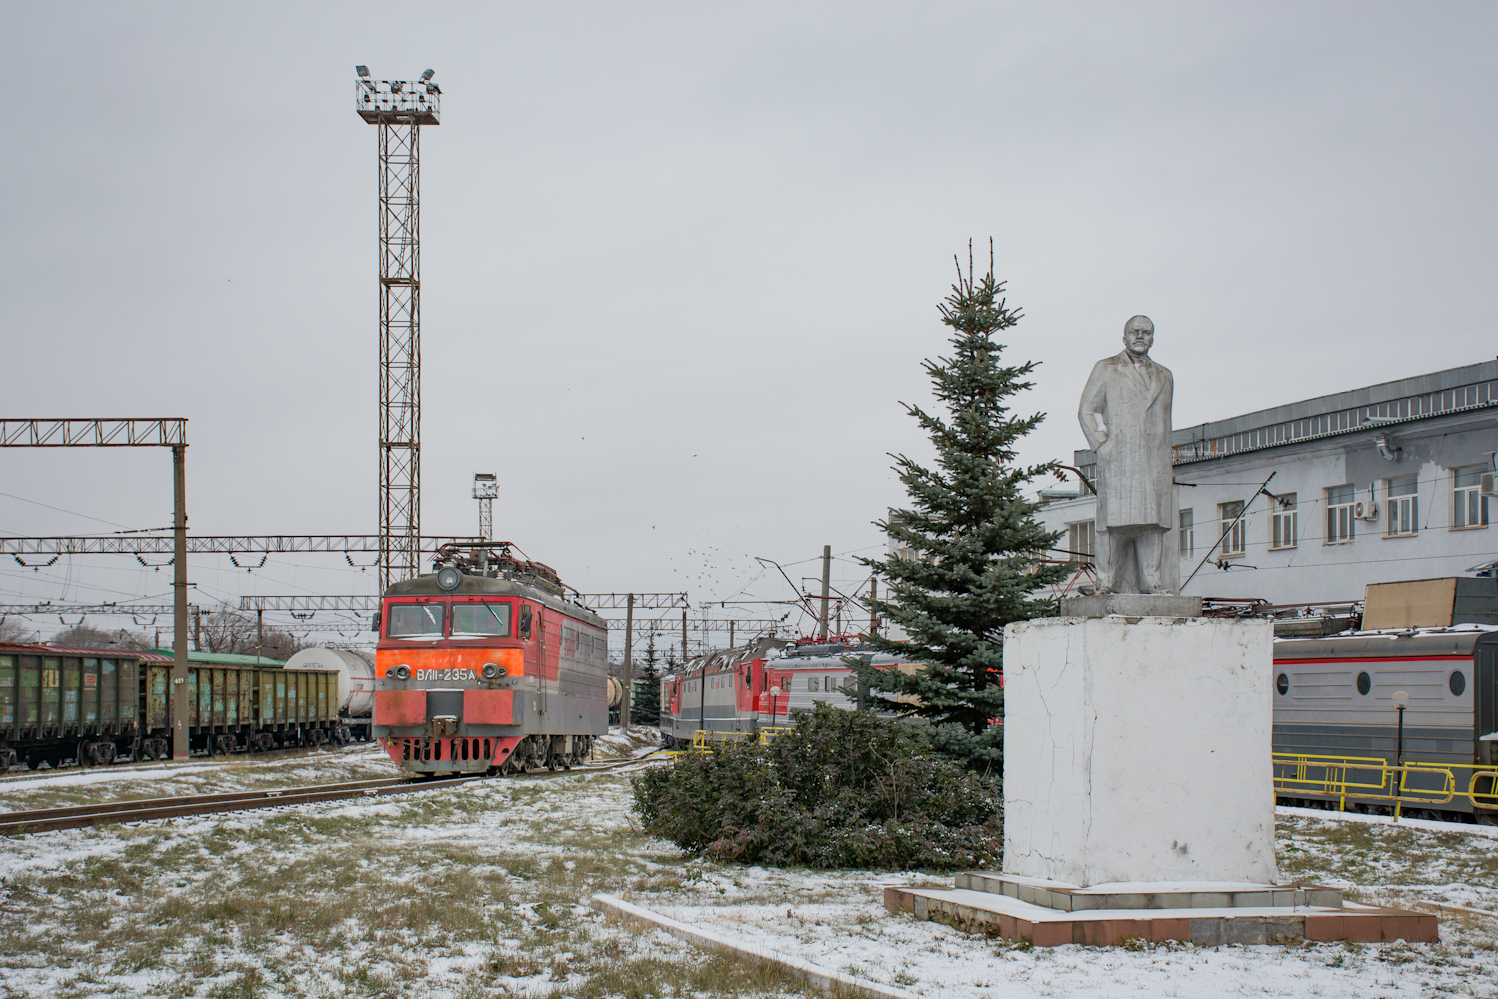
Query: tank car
(1336, 697)
(485, 666)
(733, 690)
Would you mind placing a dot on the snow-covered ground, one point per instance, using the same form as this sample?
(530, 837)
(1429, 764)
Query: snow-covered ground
(483, 891)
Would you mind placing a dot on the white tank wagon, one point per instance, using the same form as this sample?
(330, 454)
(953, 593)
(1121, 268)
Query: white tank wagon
(356, 683)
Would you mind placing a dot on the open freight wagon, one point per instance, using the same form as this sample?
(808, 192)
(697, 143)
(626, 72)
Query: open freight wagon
(93, 706)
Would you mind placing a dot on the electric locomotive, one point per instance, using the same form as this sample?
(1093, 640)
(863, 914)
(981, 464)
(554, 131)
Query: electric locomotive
(762, 685)
(485, 666)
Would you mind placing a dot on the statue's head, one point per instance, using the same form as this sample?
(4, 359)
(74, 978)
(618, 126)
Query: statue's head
(1139, 335)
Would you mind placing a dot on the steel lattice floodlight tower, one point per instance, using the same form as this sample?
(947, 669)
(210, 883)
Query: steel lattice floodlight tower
(399, 109)
(485, 488)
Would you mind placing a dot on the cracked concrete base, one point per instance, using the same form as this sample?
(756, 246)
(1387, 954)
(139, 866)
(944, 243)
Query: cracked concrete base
(1138, 750)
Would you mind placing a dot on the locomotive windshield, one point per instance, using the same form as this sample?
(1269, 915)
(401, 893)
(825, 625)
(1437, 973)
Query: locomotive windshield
(415, 621)
(477, 620)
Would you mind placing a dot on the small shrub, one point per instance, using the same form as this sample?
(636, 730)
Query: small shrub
(842, 789)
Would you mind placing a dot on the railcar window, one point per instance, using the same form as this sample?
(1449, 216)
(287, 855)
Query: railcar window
(811, 683)
(1365, 683)
(475, 620)
(1458, 682)
(415, 621)
(1282, 684)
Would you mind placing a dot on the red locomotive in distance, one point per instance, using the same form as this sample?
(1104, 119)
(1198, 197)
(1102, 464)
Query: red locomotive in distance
(485, 666)
(765, 683)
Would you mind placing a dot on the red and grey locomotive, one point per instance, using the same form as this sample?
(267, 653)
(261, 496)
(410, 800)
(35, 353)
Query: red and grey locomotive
(485, 666)
(762, 684)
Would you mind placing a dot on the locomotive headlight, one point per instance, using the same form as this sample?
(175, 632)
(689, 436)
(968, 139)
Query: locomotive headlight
(449, 578)
(401, 672)
(492, 670)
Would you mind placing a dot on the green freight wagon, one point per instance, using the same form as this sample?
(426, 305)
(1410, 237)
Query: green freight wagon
(238, 703)
(93, 706)
(67, 704)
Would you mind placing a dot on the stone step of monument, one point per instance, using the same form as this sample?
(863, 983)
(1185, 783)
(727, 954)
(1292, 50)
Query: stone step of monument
(1149, 894)
(1006, 916)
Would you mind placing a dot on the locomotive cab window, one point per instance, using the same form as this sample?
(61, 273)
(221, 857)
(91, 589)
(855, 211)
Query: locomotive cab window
(415, 621)
(481, 620)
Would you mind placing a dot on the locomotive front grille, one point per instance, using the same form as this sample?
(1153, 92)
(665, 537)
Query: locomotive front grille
(425, 750)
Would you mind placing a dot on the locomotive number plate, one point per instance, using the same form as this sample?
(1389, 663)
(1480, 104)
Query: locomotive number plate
(446, 674)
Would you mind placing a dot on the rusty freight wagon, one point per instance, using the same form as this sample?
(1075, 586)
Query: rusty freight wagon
(63, 703)
(237, 703)
(93, 706)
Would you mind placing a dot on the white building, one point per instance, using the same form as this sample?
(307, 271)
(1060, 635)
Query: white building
(1374, 485)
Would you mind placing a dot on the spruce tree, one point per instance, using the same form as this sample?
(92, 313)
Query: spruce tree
(968, 556)
(646, 708)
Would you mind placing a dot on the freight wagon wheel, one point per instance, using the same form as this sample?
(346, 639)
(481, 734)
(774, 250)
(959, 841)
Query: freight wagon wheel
(84, 754)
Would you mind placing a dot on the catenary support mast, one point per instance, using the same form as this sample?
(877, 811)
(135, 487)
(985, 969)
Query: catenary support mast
(398, 108)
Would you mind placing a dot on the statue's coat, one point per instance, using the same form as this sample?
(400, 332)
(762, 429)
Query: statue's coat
(1134, 466)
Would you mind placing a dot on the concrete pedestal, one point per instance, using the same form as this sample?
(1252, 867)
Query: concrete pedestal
(1138, 750)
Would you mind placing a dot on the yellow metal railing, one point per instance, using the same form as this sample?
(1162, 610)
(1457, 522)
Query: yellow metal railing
(1368, 778)
(702, 739)
(1483, 799)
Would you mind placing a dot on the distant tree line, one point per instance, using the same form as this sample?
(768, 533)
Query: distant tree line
(222, 630)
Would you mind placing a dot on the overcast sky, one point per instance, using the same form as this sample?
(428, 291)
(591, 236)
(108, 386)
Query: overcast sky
(681, 262)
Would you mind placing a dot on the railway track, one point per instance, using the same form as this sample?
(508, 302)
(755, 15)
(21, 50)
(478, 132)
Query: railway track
(180, 806)
(291, 753)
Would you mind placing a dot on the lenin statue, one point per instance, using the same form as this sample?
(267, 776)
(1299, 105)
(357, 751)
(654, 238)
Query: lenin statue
(1125, 414)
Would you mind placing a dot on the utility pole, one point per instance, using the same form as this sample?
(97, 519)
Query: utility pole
(683, 635)
(629, 651)
(399, 108)
(826, 588)
(179, 601)
(873, 614)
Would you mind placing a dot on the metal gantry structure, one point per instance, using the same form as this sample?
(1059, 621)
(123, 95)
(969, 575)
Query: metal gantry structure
(398, 109)
(222, 544)
(127, 432)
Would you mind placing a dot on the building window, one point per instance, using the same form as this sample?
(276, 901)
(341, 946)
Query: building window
(1188, 535)
(1471, 505)
(1284, 526)
(1081, 541)
(1403, 507)
(1232, 528)
(1339, 515)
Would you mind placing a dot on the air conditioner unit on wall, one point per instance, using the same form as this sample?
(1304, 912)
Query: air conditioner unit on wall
(1490, 483)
